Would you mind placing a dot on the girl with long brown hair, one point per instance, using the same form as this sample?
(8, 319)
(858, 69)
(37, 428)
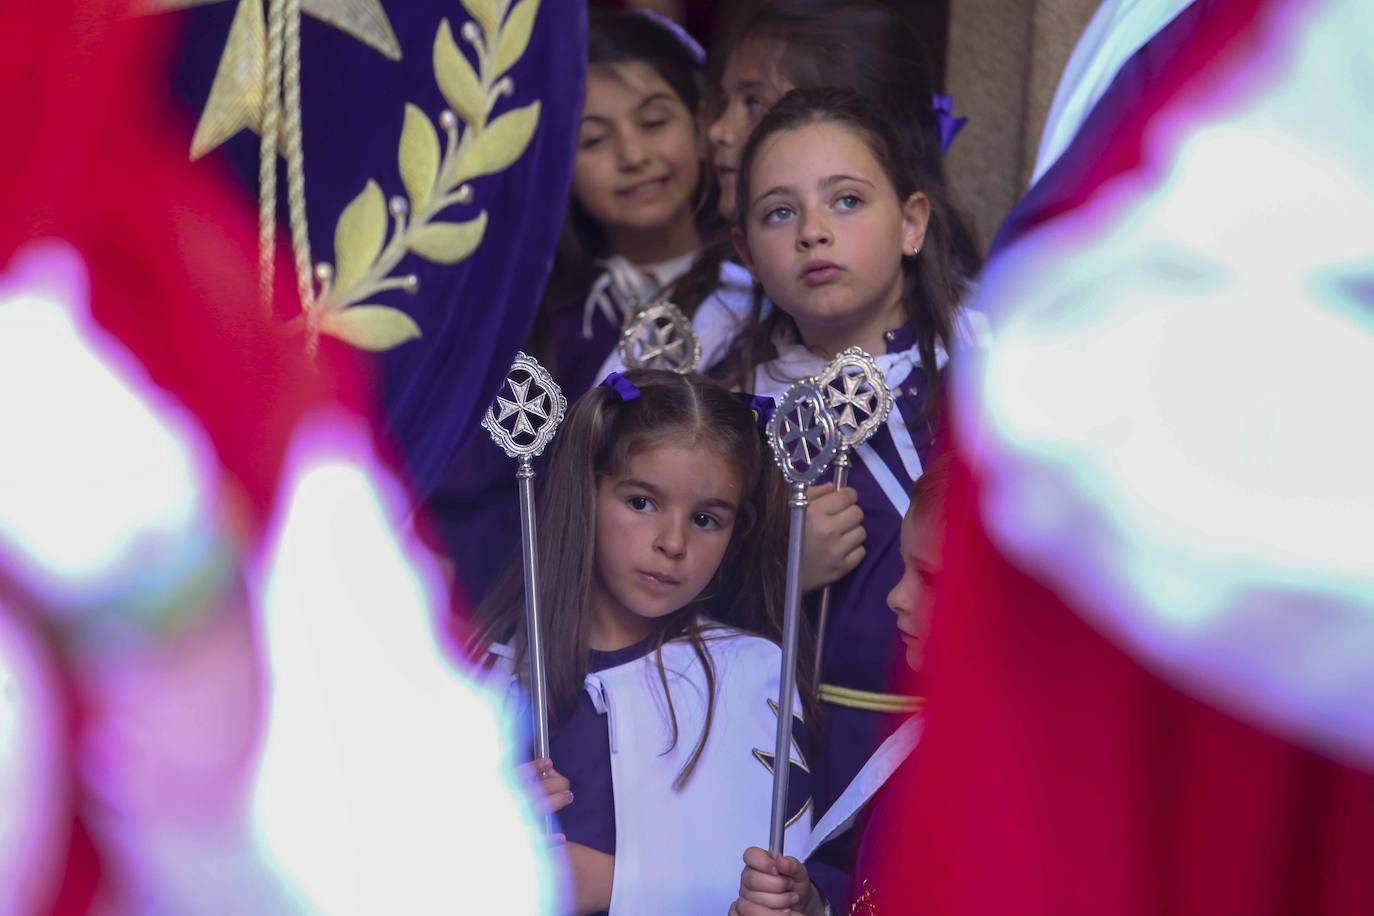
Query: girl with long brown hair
(779, 45)
(662, 541)
(634, 221)
(838, 225)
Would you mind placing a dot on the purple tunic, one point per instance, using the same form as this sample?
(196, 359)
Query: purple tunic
(581, 751)
(862, 649)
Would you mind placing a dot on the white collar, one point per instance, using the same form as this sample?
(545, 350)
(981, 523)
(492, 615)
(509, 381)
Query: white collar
(624, 288)
(735, 275)
(795, 362)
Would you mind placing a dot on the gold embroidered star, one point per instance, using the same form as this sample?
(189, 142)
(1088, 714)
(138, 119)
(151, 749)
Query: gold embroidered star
(236, 96)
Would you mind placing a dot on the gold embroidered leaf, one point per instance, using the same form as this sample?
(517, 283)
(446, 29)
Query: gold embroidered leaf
(418, 157)
(358, 236)
(457, 80)
(515, 35)
(500, 144)
(370, 327)
(487, 14)
(448, 243)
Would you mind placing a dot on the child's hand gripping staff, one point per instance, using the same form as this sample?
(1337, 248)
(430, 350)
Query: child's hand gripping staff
(523, 424)
(804, 436)
(858, 396)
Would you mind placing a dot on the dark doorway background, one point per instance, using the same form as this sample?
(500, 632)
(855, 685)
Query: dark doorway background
(706, 19)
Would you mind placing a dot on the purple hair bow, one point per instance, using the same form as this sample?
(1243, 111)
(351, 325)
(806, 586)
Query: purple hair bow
(622, 389)
(761, 405)
(948, 124)
(684, 37)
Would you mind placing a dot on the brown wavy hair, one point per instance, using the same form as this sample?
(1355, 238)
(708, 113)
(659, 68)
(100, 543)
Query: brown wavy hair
(880, 58)
(932, 282)
(595, 442)
(615, 37)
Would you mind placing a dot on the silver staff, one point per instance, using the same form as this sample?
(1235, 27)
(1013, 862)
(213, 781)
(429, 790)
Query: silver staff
(804, 437)
(533, 396)
(857, 394)
(660, 337)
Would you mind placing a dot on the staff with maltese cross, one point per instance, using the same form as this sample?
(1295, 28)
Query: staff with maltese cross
(523, 424)
(857, 394)
(804, 437)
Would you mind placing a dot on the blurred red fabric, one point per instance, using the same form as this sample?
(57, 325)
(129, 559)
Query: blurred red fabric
(94, 156)
(1058, 775)
(97, 157)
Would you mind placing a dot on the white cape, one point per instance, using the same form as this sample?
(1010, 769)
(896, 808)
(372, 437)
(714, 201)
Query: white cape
(679, 852)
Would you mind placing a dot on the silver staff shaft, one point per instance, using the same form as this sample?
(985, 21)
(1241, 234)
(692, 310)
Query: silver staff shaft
(534, 634)
(791, 626)
(841, 478)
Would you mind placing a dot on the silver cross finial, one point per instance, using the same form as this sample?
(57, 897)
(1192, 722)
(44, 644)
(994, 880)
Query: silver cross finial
(660, 337)
(856, 391)
(533, 395)
(803, 433)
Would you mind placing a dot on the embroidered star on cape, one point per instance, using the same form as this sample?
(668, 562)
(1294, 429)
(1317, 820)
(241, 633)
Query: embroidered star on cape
(799, 762)
(236, 97)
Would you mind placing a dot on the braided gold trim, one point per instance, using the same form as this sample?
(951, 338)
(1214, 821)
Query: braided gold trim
(870, 701)
(269, 137)
(295, 163)
(258, 86)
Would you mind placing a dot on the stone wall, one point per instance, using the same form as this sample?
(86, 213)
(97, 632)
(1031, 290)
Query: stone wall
(1004, 61)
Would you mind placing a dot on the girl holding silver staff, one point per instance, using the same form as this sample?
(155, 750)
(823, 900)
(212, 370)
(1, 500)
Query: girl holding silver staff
(631, 228)
(804, 437)
(845, 231)
(871, 807)
(660, 588)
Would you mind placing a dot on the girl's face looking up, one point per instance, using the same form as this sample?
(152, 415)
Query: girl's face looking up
(637, 162)
(750, 85)
(662, 528)
(825, 233)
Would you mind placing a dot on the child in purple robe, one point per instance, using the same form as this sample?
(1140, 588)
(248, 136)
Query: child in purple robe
(633, 226)
(662, 541)
(870, 805)
(843, 232)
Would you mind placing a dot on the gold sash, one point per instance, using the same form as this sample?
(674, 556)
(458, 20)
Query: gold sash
(869, 700)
